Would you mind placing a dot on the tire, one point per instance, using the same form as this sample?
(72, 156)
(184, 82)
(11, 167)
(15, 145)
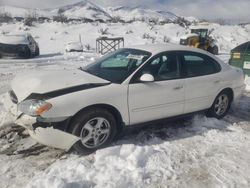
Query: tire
(93, 137)
(221, 105)
(213, 50)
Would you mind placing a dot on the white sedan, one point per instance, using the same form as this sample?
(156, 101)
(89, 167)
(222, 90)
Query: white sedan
(86, 108)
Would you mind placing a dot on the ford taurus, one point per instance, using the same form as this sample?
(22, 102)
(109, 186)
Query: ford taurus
(87, 107)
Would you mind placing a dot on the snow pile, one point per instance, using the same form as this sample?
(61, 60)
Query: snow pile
(205, 152)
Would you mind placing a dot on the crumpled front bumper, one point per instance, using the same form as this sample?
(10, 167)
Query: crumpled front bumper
(48, 136)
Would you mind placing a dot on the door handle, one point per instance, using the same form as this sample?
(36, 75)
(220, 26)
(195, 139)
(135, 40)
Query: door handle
(178, 87)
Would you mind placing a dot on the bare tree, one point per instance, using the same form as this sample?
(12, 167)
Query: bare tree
(103, 31)
(60, 17)
(5, 17)
(30, 18)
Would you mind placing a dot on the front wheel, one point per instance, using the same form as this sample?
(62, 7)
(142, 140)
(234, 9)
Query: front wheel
(221, 105)
(96, 128)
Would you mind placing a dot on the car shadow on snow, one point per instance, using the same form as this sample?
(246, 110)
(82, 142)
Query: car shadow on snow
(172, 130)
(48, 55)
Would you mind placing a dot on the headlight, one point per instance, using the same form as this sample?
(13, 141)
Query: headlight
(34, 107)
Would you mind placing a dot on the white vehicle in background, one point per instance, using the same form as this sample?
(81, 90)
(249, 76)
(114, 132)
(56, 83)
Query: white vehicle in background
(86, 108)
(18, 45)
(74, 47)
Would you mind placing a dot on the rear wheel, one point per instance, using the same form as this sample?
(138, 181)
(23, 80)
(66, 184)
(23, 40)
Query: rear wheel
(214, 50)
(221, 105)
(96, 128)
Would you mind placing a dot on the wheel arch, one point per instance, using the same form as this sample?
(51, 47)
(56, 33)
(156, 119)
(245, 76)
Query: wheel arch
(230, 92)
(114, 111)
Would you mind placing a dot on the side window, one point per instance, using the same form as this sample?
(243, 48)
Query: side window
(199, 65)
(163, 67)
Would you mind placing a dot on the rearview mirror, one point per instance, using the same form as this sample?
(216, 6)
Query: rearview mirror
(147, 78)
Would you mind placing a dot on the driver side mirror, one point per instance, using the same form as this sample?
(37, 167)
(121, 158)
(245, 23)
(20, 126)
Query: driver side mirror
(147, 78)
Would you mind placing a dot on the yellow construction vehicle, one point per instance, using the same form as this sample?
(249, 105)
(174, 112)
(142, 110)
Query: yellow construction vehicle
(200, 38)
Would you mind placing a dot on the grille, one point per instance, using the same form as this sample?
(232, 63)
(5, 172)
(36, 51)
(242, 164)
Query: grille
(13, 97)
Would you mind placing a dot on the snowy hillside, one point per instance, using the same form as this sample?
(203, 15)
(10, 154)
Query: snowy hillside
(88, 10)
(138, 13)
(83, 9)
(23, 12)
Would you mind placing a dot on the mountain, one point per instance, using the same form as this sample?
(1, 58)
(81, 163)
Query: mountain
(83, 9)
(139, 13)
(88, 10)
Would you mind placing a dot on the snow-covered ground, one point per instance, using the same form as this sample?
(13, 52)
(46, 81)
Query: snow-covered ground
(197, 152)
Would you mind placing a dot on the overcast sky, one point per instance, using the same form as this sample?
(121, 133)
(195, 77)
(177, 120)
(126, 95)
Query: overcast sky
(237, 10)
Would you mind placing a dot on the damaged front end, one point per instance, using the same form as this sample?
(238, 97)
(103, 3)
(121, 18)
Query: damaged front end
(50, 132)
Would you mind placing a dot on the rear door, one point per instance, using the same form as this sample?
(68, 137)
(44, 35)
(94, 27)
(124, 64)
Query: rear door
(164, 97)
(202, 80)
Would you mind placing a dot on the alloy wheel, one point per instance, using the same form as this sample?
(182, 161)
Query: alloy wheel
(221, 104)
(95, 132)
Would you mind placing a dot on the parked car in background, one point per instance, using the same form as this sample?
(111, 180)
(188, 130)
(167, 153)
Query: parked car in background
(86, 108)
(18, 46)
(240, 57)
(74, 47)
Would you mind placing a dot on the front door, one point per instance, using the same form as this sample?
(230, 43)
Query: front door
(162, 98)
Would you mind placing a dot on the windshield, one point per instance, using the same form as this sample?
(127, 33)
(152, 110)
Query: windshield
(117, 66)
(200, 32)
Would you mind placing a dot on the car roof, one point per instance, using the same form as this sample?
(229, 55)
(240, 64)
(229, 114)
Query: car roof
(158, 48)
(20, 38)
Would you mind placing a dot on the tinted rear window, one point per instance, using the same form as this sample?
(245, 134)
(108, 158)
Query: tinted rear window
(199, 65)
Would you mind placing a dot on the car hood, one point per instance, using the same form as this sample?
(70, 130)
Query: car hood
(41, 82)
